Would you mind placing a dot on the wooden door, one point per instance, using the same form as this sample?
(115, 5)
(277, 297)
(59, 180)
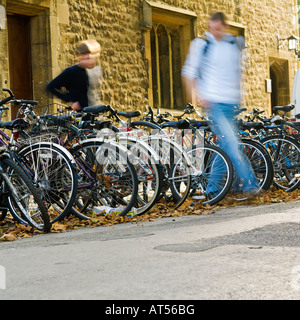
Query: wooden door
(19, 49)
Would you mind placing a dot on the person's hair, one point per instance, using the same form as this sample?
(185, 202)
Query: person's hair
(218, 16)
(88, 47)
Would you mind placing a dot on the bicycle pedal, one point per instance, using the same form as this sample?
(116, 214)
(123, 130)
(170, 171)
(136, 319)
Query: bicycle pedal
(168, 198)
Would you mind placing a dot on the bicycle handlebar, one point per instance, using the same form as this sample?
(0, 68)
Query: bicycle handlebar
(9, 91)
(20, 102)
(17, 102)
(11, 97)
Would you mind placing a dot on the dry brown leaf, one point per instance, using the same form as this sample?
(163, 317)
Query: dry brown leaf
(9, 236)
(58, 226)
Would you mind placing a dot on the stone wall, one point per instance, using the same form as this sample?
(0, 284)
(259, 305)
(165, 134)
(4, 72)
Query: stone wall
(264, 21)
(116, 24)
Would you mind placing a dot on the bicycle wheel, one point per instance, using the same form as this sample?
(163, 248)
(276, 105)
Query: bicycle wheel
(146, 163)
(107, 180)
(285, 155)
(176, 167)
(53, 170)
(23, 198)
(149, 173)
(3, 206)
(212, 173)
(261, 163)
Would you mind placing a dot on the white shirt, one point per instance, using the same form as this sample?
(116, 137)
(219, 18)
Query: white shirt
(218, 72)
(95, 78)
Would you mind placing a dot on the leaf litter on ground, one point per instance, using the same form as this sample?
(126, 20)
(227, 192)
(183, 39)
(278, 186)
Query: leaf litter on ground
(11, 230)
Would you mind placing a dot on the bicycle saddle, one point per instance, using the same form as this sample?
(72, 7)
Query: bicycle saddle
(182, 124)
(200, 123)
(17, 123)
(98, 125)
(284, 108)
(96, 109)
(129, 114)
(251, 125)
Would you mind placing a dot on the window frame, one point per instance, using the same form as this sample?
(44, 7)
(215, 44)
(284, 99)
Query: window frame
(154, 15)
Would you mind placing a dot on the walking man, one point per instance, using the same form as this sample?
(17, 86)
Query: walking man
(212, 71)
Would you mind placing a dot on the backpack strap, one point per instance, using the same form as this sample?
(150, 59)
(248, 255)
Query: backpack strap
(234, 41)
(207, 43)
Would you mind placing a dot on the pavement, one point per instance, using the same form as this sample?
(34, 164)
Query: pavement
(239, 253)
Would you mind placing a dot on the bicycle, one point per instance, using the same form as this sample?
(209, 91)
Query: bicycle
(109, 182)
(202, 134)
(282, 146)
(151, 173)
(49, 166)
(173, 161)
(19, 196)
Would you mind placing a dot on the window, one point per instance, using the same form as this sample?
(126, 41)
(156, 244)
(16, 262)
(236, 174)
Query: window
(236, 29)
(167, 38)
(166, 67)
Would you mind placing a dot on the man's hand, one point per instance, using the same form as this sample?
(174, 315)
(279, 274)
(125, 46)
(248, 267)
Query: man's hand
(75, 106)
(202, 103)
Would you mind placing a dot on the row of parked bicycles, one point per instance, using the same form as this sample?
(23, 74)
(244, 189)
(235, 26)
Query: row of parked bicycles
(55, 162)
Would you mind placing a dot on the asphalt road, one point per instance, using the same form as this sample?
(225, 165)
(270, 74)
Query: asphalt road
(237, 253)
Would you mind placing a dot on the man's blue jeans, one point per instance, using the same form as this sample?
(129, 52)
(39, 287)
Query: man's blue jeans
(222, 116)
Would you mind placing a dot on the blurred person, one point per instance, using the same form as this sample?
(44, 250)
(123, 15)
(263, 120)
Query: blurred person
(212, 76)
(79, 84)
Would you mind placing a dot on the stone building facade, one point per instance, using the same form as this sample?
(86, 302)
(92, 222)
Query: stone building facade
(144, 44)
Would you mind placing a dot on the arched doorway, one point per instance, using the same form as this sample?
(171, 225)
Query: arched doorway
(279, 75)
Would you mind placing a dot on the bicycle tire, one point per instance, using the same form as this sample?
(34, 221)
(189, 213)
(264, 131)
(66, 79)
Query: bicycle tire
(53, 170)
(207, 160)
(286, 164)
(110, 182)
(146, 163)
(176, 167)
(37, 214)
(262, 166)
(3, 215)
(149, 173)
